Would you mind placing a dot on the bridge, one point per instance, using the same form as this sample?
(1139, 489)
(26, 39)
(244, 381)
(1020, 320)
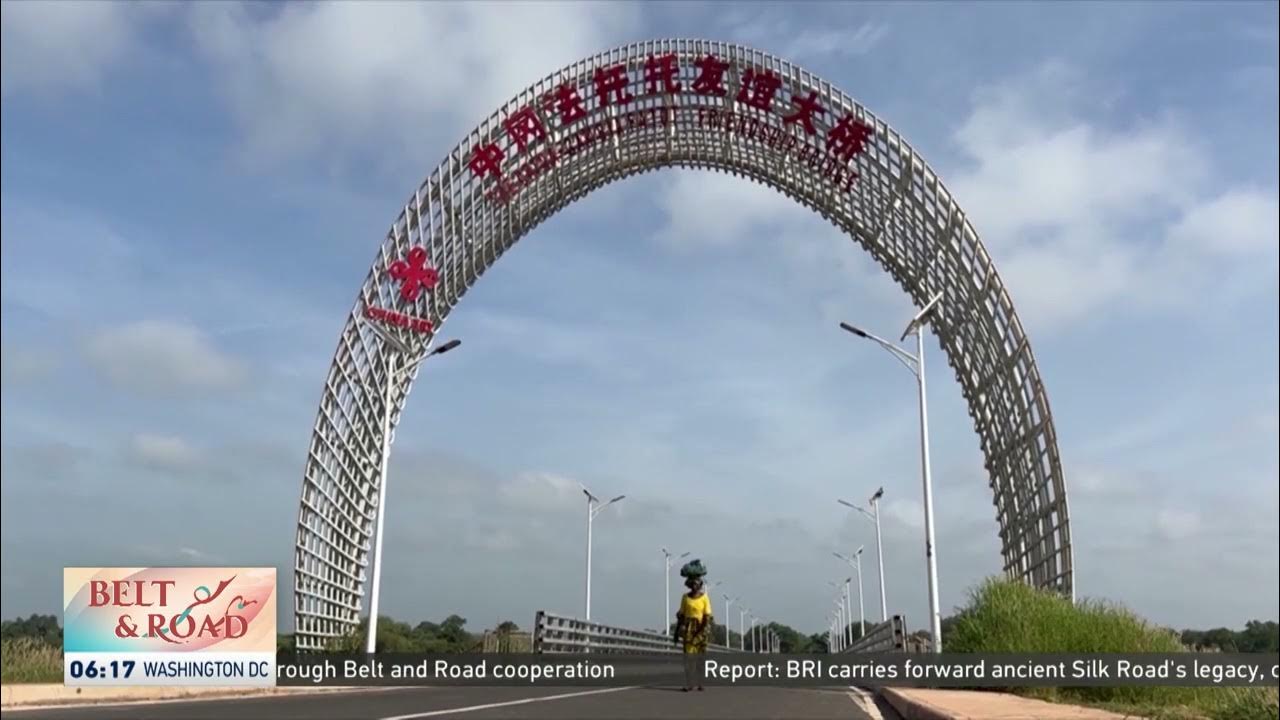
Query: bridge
(665, 103)
(651, 689)
(650, 695)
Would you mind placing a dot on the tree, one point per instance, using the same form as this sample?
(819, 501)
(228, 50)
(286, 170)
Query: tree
(42, 628)
(818, 643)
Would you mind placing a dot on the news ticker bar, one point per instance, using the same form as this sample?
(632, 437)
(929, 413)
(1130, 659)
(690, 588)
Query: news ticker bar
(867, 670)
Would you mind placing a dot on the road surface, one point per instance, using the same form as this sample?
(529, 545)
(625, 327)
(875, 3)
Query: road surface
(473, 703)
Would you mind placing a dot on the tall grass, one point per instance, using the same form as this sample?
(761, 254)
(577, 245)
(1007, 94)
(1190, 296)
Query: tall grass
(1009, 617)
(24, 660)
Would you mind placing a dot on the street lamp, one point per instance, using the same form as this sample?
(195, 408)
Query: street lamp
(396, 369)
(875, 515)
(915, 363)
(668, 559)
(842, 604)
(594, 507)
(728, 603)
(856, 562)
(742, 631)
(846, 623)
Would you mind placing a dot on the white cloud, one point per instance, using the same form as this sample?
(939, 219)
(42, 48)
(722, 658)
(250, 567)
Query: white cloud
(907, 512)
(311, 76)
(541, 491)
(838, 41)
(159, 356)
(714, 209)
(1080, 216)
(1176, 524)
(162, 451)
(1239, 222)
(53, 46)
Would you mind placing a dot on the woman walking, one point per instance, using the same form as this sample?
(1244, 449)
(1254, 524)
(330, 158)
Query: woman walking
(693, 628)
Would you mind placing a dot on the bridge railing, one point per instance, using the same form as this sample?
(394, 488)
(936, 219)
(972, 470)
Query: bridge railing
(888, 636)
(554, 633)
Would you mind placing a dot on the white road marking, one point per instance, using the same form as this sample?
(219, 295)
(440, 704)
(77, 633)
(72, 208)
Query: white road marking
(526, 701)
(866, 702)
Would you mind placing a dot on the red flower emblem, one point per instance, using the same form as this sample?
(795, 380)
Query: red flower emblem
(414, 274)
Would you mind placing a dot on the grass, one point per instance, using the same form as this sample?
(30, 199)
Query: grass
(1008, 617)
(24, 660)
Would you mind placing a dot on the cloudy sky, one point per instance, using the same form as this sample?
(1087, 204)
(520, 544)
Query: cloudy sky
(192, 195)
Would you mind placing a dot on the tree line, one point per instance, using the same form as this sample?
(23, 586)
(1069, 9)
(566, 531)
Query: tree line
(451, 635)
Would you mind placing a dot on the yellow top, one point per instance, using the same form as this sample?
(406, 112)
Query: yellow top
(695, 609)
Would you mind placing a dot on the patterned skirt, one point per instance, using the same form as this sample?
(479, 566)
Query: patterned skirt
(696, 637)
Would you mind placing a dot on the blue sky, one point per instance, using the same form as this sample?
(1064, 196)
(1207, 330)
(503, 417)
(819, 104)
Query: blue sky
(192, 194)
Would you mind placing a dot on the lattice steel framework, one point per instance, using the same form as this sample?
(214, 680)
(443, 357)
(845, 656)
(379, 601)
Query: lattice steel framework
(897, 210)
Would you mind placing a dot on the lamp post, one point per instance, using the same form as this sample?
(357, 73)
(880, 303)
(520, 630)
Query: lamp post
(856, 562)
(396, 369)
(742, 631)
(845, 622)
(875, 515)
(594, 507)
(728, 603)
(668, 558)
(915, 363)
(842, 606)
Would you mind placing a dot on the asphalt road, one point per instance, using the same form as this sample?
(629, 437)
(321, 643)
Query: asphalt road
(472, 703)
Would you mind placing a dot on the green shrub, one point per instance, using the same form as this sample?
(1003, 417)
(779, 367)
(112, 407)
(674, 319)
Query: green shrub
(25, 660)
(1010, 617)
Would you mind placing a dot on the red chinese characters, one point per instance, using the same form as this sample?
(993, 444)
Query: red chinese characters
(758, 88)
(848, 138)
(486, 160)
(611, 85)
(772, 117)
(710, 80)
(663, 70)
(806, 108)
(523, 124)
(566, 102)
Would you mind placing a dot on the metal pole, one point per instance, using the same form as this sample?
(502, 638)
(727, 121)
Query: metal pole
(932, 560)
(588, 598)
(862, 613)
(371, 641)
(884, 604)
(728, 603)
(666, 575)
(848, 611)
(845, 623)
(742, 632)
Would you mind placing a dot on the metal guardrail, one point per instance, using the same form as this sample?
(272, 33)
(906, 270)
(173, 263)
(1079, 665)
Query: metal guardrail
(888, 636)
(554, 633)
(918, 645)
(507, 642)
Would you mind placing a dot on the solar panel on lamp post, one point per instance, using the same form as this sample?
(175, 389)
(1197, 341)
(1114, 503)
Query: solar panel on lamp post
(915, 363)
(394, 371)
(874, 515)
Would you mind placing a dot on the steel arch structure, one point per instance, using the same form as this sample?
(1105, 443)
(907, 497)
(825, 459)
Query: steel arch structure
(657, 104)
